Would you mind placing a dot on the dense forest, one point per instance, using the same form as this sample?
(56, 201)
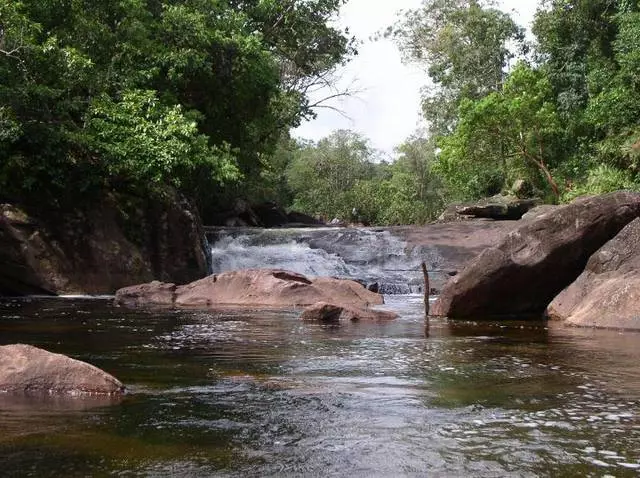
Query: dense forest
(201, 96)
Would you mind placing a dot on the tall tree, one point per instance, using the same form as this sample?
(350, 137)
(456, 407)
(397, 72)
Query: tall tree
(199, 83)
(464, 45)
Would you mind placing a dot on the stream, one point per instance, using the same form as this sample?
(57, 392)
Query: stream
(259, 393)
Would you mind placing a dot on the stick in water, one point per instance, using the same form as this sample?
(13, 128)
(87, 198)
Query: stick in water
(427, 288)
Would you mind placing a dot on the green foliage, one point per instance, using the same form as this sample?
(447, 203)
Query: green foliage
(341, 174)
(322, 176)
(568, 123)
(465, 45)
(135, 94)
(507, 135)
(602, 179)
(144, 141)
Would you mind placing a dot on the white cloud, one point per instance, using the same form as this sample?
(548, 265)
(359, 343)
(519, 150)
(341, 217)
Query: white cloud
(387, 107)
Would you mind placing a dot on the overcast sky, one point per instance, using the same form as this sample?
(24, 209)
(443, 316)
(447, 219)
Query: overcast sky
(386, 108)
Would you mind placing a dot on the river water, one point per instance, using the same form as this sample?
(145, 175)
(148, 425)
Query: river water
(262, 394)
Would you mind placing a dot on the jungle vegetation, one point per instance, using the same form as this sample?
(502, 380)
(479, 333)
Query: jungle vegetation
(201, 96)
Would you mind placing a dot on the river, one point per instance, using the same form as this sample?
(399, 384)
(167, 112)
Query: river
(260, 393)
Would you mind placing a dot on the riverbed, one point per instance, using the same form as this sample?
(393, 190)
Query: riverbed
(260, 393)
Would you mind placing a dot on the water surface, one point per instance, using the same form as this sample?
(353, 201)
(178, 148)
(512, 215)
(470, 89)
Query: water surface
(257, 393)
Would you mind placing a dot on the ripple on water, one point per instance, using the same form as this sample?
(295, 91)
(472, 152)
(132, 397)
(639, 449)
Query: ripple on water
(258, 393)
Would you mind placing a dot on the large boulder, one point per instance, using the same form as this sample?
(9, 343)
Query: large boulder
(334, 313)
(500, 208)
(25, 369)
(250, 287)
(100, 248)
(446, 248)
(534, 262)
(607, 293)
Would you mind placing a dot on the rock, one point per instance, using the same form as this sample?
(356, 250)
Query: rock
(250, 287)
(538, 211)
(607, 293)
(446, 248)
(239, 215)
(373, 286)
(522, 188)
(535, 261)
(270, 214)
(301, 218)
(25, 369)
(103, 247)
(329, 312)
(155, 293)
(501, 208)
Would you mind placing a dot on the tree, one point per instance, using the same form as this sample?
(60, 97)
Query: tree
(465, 46)
(511, 134)
(199, 83)
(322, 176)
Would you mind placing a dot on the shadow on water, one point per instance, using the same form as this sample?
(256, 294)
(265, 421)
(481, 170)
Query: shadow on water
(259, 393)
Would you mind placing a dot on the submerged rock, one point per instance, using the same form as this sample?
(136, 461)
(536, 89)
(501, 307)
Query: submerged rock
(25, 369)
(535, 261)
(333, 313)
(250, 287)
(607, 293)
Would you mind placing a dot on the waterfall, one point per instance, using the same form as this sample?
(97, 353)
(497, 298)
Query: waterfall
(370, 256)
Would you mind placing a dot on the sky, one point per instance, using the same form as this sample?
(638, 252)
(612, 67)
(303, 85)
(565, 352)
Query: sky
(386, 105)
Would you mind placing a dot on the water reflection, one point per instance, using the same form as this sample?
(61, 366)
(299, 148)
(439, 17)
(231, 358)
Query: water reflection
(260, 393)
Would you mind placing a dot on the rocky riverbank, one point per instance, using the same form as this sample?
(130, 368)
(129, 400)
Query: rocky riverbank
(99, 248)
(582, 248)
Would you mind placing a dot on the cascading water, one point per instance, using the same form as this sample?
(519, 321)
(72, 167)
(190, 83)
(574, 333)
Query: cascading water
(369, 256)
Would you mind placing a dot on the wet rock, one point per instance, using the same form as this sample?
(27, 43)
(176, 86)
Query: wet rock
(533, 263)
(25, 369)
(333, 313)
(607, 293)
(448, 247)
(98, 249)
(373, 287)
(250, 287)
(154, 293)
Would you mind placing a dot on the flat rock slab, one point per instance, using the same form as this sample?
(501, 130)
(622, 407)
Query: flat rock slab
(607, 293)
(334, 313)
(522, 273)
(447, 247)
(25, 369)
(250, 287)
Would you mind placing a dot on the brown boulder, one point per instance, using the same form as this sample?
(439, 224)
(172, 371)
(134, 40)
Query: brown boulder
(152, 293)
(327, 312)
(535, 261)
(250, 287)
(607, 293)
(29, 370)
